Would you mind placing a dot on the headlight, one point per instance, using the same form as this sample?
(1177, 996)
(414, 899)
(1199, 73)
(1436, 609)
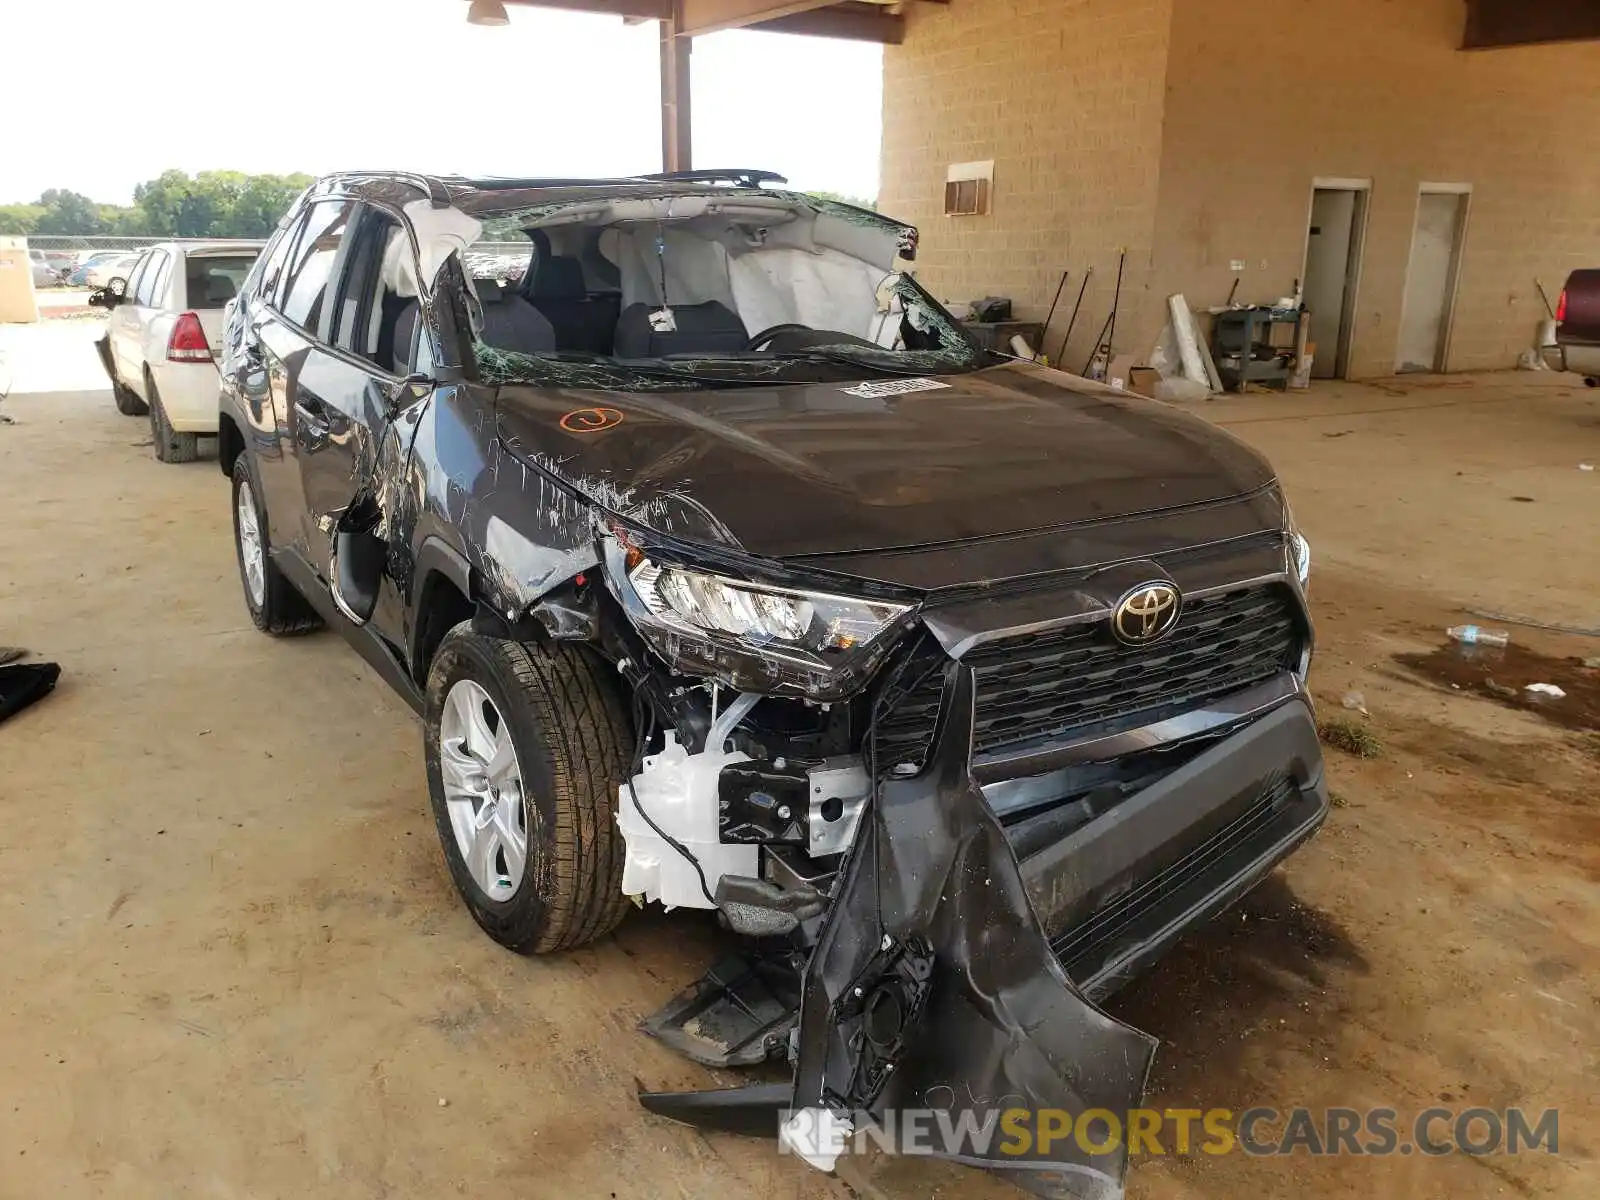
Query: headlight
(1301, 549)
(754, 637)
(760, 617)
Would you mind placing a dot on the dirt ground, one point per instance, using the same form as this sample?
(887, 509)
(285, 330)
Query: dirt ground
(234, 965)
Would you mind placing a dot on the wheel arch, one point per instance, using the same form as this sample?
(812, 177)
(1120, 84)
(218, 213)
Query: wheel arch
(230, 441)
(444, 599)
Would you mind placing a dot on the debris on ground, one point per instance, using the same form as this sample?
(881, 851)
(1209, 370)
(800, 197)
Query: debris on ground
(1351, 736)
(1472, 635)
(1563, 690)
(1585, 466)
(1355, 702)
(21, 685)
(1546, 689)
(1533, 623)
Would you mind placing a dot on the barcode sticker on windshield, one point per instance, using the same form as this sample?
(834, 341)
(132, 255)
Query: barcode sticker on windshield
(893, 387)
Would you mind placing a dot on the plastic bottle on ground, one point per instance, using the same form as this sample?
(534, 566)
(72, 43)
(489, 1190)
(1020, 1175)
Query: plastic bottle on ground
(1472, 635)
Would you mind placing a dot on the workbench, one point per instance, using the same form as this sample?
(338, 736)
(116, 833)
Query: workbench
(1241, 344)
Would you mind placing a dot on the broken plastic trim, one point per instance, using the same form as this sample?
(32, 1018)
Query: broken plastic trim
(1001, 1026)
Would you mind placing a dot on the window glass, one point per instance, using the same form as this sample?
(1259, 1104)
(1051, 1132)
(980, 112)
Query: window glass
(211, 280)
(147, 282)
(269, 267)
(313, 262)
(359, 323)
(136, 276)
(158, 282)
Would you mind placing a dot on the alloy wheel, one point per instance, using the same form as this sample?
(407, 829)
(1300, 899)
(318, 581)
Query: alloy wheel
(250, 550)
(483, 790)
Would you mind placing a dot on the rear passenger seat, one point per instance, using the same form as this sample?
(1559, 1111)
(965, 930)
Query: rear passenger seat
(556, 287)
(510, 322)
(708, 328)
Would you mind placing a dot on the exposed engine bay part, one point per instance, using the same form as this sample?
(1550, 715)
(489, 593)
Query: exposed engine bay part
(932, 885)
(839, 790)
(668, 813)
(739, 1013)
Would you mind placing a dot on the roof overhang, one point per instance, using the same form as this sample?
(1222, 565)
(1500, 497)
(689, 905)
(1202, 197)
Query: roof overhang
(1495, 23)
(854, 20)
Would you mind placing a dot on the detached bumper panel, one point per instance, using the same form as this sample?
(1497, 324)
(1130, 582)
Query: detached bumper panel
(1115, 893)
(951, 977)
(932, 868)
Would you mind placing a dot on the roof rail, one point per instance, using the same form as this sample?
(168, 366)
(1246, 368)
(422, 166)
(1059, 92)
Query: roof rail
(738, 176)
(511, 184)
(438, 194)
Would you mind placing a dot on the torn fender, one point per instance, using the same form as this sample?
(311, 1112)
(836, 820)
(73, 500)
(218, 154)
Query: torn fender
(932, 912)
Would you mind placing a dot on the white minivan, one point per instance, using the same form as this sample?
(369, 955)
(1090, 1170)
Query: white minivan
(164, 330)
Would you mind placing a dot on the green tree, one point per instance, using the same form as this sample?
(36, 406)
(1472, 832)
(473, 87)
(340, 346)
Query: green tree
(19, 218)
(67, 212)
(843, 199)
(262, 201)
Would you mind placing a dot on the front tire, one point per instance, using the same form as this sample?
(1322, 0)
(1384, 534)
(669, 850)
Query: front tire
(525, 747)
(170, 445)
(275, 607)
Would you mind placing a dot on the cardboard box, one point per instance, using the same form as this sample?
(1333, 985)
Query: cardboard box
(1143, 380)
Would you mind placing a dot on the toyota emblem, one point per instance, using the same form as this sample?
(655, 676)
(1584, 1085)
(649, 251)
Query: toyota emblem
(1146, 614)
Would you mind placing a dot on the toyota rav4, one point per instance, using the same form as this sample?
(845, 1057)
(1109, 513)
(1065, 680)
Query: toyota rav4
(725, 570)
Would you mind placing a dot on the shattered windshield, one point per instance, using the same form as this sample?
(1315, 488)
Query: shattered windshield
(679, 293)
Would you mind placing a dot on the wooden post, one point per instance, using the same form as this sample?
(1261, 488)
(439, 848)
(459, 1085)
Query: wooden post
(676, 149)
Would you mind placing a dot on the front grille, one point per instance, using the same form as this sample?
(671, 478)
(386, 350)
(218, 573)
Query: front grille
(1078, 680)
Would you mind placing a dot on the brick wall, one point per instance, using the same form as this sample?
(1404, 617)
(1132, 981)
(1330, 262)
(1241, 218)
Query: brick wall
(1190, 131)
(1264, 97)
(1065, 96)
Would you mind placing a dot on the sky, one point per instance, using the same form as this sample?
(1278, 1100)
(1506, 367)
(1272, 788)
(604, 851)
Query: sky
(125, 89)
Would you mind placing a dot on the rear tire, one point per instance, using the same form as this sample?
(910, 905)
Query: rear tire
(274, 606)
(570, 739)
(170, 445)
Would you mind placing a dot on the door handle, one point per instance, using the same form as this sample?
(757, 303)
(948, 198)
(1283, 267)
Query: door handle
(313, 417)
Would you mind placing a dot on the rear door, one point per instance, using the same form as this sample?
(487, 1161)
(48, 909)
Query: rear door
(122, 326)
(152, 315)
(257, 379)
(140, 313)
(284, 333)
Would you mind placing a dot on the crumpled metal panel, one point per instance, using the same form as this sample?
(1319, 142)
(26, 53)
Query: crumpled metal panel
(1003, 1028)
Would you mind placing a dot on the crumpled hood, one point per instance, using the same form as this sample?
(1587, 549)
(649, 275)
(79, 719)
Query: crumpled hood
(813, 468)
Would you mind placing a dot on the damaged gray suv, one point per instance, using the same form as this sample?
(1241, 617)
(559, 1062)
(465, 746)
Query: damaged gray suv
(727, 571)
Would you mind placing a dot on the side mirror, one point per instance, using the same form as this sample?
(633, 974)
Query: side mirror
(103, 298)
(413, 389)
(118, 287)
